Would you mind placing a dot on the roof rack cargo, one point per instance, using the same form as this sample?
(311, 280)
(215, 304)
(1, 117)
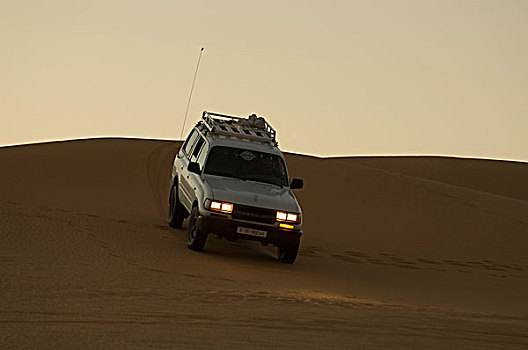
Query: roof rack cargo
(252, 127)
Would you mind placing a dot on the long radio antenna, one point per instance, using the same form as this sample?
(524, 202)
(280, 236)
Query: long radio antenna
(192, 88)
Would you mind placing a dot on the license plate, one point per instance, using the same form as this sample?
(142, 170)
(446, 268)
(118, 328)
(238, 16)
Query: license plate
(252, 232)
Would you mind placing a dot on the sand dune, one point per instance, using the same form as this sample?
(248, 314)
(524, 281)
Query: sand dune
(498, 177)
(398, 252)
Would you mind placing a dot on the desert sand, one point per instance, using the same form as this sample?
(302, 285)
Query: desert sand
(397, 253)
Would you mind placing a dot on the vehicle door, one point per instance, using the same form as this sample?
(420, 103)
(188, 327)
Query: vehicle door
(194, 180)
(178, 165)
(184, 189)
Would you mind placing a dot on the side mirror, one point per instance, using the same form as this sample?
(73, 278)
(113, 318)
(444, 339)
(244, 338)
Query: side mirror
(296, 184)
(194, 167)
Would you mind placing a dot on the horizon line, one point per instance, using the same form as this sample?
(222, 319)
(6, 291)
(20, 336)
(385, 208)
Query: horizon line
(393, 155)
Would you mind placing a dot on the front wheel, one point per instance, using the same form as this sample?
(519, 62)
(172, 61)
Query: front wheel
(196, 239)
(288, 254)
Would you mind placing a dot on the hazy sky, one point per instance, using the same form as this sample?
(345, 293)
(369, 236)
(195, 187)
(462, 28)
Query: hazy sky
(333, 77)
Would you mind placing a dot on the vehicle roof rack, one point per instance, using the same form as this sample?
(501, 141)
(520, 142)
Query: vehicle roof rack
(252, 127)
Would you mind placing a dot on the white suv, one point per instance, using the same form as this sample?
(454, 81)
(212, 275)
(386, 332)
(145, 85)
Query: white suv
(231, 179)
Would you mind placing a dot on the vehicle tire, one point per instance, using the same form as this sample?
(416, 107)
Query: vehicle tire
(288, 254)
(176, 210)
(195, 239)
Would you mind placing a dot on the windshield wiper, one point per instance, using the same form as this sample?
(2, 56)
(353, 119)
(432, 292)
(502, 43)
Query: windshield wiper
(220, 173)
(264, 181)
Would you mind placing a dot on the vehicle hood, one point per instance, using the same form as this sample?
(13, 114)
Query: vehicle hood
(252, 193)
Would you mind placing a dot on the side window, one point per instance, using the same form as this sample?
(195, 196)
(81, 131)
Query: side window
(203, 156)
(190, 142)
(197, 149)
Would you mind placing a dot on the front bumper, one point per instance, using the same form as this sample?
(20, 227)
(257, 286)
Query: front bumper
(226, 227)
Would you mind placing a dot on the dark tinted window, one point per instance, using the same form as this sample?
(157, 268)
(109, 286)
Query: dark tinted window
(246, 165)
(197, 149)
(190, 142)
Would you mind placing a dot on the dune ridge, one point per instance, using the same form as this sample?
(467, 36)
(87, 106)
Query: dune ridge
(398, 252)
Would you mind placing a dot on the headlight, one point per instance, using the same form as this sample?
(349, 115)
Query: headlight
(223, 207)
(289, 217)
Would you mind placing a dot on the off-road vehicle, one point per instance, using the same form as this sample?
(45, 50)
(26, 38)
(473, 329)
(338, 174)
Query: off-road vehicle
(230, 178)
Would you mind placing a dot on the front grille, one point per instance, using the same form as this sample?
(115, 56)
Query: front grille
(255, 214)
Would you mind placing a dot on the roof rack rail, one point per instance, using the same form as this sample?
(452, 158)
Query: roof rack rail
(252, 127)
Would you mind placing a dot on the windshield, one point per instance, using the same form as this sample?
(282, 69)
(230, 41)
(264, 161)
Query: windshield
(246, 165)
